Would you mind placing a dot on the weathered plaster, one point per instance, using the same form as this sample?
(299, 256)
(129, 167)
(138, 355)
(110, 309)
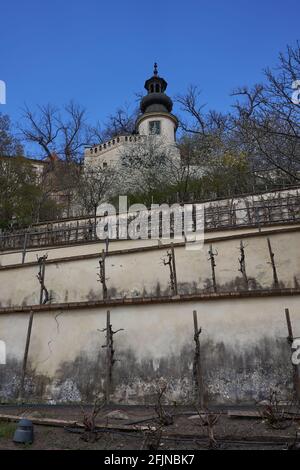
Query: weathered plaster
(243, 344)
(142, 273)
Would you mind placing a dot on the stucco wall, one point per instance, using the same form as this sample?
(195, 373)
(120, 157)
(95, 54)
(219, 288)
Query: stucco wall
(142, 273)
(243, 345)
(168, 126)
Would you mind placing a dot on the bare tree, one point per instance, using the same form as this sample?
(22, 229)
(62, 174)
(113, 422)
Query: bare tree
(209, 129)
(95, 185)
(75, 132)
(211, 150)
(268, 119)
(122, 122)
(58, 132)
(43, 128)
(61, 134)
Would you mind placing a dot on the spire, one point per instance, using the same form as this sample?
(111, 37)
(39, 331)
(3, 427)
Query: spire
(156, 100)
(156, 108)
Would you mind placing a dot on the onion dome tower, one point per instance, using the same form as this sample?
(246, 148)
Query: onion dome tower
(156, 107)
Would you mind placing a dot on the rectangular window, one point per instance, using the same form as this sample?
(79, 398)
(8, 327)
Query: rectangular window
(154, 127)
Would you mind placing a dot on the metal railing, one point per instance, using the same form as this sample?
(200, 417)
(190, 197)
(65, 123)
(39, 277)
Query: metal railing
(253, 213)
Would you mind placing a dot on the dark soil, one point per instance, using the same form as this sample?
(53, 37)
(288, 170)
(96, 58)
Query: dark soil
(185, 433)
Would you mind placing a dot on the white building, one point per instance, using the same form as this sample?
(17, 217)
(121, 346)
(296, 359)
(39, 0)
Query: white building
(155, 119)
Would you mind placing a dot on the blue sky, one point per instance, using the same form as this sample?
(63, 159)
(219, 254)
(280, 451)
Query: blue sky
(99, 53)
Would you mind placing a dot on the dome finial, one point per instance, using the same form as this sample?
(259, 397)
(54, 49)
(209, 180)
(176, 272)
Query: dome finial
(155, 69)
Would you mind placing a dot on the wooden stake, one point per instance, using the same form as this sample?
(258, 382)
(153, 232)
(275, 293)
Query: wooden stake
(44, 294)
(275, 277)
(42, 283)
(197, 363)
(242, 262)
(21, 391)
(101, 274)
(213, 265)
(108, 358)
(41, 278)
(174, 269)
(296, 371)
(290, 337)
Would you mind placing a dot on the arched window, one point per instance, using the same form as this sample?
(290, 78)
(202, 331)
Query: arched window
(157, 88)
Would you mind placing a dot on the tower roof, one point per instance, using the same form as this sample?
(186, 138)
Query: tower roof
(155, 80)
(156, 99)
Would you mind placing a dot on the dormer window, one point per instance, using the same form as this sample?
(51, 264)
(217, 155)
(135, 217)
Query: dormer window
(154, 127)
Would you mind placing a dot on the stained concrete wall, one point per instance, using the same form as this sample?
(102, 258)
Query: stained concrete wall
(243, 345)
(141, 273)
